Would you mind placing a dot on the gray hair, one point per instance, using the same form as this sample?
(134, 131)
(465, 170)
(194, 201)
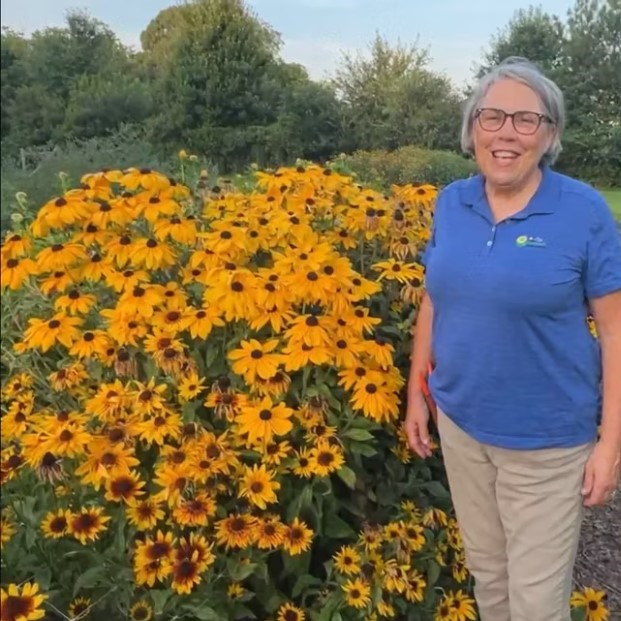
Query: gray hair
(520, 70)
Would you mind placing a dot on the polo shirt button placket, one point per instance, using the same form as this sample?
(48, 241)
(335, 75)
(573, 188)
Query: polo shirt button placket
(490, 242)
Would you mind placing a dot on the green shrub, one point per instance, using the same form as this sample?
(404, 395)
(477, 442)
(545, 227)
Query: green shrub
(38, 174)
(406, 165)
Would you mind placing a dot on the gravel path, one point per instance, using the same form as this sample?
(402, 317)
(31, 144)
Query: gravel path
(599, 556)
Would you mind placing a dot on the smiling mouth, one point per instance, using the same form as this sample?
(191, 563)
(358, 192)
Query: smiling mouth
(505, 155)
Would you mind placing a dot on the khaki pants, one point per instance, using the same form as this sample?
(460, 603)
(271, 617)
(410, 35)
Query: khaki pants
(519, 514)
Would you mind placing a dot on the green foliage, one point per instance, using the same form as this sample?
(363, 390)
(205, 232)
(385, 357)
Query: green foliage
(531, 33)
(40, 179)
(583, 56)
(392, 99)
(406, 165)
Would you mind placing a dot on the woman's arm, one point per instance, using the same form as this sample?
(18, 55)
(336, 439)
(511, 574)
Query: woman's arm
(602, 475)
(417, 416)
(421, 345)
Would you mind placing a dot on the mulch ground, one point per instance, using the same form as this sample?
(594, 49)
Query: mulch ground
(599, 556)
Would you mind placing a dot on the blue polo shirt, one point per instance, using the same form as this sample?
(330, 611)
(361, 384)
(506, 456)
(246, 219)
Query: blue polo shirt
(516, 365)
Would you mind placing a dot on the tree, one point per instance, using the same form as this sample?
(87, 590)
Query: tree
(218, 88)
(12, 52)
(532, 34)
(583, 56)
(392, 99)
(76, 81)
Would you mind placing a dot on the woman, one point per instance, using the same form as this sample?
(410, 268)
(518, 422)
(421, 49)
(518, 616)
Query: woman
(519, 256)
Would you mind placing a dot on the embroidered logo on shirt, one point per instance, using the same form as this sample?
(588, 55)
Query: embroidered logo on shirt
(529, 240)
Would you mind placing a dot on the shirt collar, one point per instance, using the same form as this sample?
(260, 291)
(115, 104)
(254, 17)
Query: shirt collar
(544, 201)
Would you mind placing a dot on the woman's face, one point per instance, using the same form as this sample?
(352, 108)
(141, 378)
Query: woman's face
(506, 157)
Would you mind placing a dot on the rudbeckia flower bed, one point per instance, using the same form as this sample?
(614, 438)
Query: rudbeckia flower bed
(202, 399)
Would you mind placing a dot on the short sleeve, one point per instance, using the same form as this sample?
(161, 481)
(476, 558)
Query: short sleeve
(603, 255)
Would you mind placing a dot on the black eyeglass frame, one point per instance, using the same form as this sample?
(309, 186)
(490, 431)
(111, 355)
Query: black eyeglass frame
(541, 118)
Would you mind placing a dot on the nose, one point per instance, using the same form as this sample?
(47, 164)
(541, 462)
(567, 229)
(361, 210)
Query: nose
(507, 131)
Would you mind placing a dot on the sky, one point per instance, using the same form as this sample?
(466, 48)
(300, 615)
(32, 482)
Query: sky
(315, 33)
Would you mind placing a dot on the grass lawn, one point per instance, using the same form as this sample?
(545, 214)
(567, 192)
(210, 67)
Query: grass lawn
(614, 200)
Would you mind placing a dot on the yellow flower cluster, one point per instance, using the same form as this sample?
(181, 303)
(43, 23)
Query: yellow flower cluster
(202, 373)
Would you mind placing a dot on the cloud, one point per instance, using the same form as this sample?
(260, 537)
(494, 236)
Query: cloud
(319, 56)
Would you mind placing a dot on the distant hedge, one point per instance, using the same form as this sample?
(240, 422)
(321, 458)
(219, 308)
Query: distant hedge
(406, 165)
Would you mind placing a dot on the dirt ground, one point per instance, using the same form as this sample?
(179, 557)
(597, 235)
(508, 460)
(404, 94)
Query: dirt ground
(599, 556)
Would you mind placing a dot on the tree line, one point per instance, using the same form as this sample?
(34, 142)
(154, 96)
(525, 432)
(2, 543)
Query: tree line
(209, 78)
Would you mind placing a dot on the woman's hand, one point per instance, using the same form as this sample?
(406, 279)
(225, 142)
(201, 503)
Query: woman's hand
(417, 425)
(601, 474)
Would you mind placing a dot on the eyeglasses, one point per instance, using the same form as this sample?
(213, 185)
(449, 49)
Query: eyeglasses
(524, 122)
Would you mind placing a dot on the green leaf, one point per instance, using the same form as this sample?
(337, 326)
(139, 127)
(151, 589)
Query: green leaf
(205, 613)
(303, 582)
(43, 577)
(160, 597)
(242, 612)
(362, 449)
(579, 613)
(335, 527)
(348, 476)
(239, 571)
(360, 435)
(297, 565)
(90, 578)
(437, 490)
(433, 573)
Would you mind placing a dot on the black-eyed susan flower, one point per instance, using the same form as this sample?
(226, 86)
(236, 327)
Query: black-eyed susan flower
(303, 466)
(55, 524)
(415, 586)
(15, 245)
(326, 458)
(236, 531)
(78, 607)
(161, 426)
(181, 230)
(347, 560)
(299, 355)
(186, 574)
(375, 399)
(270, 532)
(87, 524)
(141, 611)
(96, 268)
(153, 558)
(59, 213)
(463, 607)
(7, 528)
(235, 590)
(195, 511)
(592, 600)
(21, 602)
(14, 271)
(145, 513)
(310, 329)
(60, 257)
(236, 298)
(255, 359)
(124, 486)
(257, 484)
(298, 537)
(68, 378)
(91, 344)
(152, 254)
(58, 281)
(75, 302)
(262, 420)
(289, 612)
(459, 570)
(357, 593)
(43, 334)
